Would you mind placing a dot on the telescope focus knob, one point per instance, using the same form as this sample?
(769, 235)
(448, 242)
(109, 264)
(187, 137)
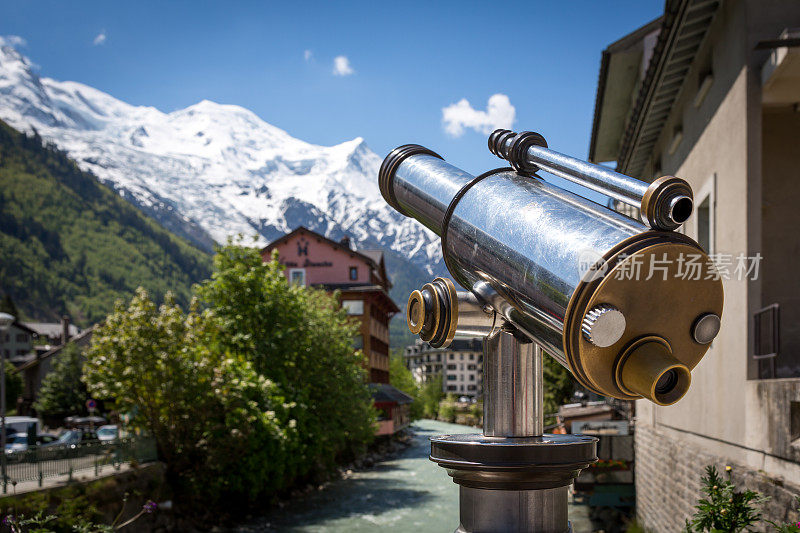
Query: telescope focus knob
(603, 325)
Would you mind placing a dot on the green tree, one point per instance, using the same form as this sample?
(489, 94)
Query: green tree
(298, 337)
(430, 395)
(7, 306)
(14, 385)
(223, 431)
(558, 384)
(63, 391)
(401, 378)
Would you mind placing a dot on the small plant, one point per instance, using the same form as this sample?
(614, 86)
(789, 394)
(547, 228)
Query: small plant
(787, 528)
(724, 509)
(40, 523)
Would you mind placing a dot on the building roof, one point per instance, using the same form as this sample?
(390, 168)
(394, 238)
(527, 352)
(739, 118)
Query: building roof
(385, 393)
(683, 29)
(82, 339)
(372, 257)
(23, 327)
(52, 329)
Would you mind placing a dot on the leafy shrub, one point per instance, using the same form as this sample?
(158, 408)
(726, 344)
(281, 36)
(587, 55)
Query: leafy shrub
(244, 397)
(447, 411)
(724, 509)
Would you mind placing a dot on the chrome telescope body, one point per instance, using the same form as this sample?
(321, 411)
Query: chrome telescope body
(560, 269)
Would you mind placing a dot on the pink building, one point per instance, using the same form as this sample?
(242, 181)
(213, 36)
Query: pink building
(360, 277)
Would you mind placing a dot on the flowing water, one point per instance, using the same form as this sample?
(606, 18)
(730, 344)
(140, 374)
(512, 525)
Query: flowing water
(408, 494)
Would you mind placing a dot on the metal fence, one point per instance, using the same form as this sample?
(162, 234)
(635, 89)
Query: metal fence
(41, 462)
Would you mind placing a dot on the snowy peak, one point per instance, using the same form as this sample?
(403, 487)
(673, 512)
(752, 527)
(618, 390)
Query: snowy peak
(212, 170)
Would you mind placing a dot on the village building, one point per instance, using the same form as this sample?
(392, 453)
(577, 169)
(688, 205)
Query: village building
(17, 342)
(460, 365)
(710, 92)
(360, 278)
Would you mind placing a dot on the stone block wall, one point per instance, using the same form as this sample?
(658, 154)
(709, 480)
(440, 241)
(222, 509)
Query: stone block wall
(668, 483)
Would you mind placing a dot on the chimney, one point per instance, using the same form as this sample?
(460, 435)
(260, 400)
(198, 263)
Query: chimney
(64, 329)
(345, 240)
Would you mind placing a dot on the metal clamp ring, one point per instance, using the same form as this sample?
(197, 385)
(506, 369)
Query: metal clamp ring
(519, 151)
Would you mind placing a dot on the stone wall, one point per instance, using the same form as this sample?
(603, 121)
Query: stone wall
(668, 482)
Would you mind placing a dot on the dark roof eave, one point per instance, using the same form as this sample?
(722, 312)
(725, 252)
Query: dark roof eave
(605, 61)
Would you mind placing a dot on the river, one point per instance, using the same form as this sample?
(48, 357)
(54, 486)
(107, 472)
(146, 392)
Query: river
(408, 494)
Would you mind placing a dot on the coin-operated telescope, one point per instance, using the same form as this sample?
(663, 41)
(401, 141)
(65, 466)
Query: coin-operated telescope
(628, 306)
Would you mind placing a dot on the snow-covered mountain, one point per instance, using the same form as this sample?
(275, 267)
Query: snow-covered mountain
(211, 171)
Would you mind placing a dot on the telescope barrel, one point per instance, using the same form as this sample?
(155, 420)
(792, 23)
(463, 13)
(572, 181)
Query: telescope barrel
(665, 204)
(549, 262)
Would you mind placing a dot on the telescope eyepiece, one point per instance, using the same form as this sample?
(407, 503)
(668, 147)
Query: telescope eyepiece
(648, 369)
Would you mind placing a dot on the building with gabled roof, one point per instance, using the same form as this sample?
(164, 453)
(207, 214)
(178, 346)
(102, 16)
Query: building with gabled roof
(363, 285)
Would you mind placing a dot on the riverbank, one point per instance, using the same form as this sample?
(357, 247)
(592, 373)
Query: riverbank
(406, 494)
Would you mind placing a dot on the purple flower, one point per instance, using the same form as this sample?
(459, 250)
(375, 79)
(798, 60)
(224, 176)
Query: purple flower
(149, 506)
(8, 520)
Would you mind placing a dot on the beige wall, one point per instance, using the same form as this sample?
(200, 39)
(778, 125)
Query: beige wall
(727, 413)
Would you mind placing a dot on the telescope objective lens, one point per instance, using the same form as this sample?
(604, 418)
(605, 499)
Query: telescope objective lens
(667, 382)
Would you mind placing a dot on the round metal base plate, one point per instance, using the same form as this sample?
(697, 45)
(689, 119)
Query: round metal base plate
(513, 463)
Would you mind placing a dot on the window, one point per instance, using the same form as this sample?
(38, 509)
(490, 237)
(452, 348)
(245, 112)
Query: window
(462, 388)
(353, 307)
(472, 377)
(472, 357)
(704, 216)
(472, 367)
(452, 356)
(451, 377)
(358, 342)
(297, 276)
(462, 357)
(471, 387)
(353, 273)
(452, 387)
(451, 367)
(439, 357)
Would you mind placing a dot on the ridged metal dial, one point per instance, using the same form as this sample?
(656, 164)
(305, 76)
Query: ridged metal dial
(603, 325)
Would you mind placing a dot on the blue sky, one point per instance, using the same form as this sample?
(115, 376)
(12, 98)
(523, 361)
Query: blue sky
(409, 60)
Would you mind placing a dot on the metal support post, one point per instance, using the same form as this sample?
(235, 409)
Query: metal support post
(513, 478)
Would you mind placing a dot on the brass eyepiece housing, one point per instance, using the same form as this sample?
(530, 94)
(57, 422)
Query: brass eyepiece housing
(432, 312)
(667, 203)
(647, 368)
(437, 312)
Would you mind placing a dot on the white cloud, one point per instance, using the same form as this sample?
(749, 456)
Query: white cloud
(100, 39)
(341, 66)
(499, 114)
(307, 55)
(14, 40)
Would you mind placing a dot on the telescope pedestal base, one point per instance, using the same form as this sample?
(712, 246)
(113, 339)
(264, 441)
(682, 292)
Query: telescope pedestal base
(513, 484)
(489, 511)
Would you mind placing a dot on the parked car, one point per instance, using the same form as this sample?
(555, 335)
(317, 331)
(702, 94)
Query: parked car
(108, 433)
(17, 444)
(74, 437)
